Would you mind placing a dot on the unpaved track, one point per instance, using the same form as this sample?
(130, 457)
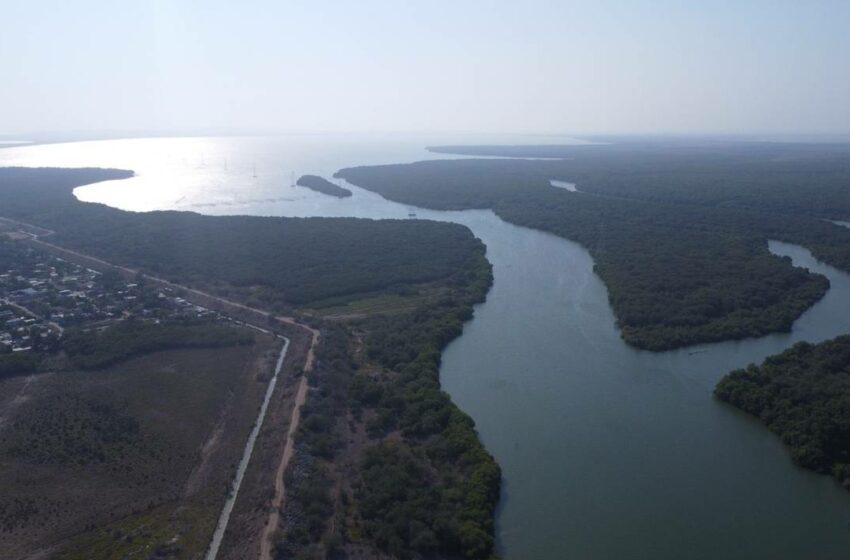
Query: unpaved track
(301, 394)
(279, 484)
(288, 449)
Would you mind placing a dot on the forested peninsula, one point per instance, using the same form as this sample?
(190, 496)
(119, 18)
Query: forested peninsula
(277, 263)
(683, 259)
(803, 395)
(385, 464)
(424, 486)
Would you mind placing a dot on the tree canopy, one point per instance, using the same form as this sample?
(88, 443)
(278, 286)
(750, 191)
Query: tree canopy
(803, 395)
(283, 261)
(684, 260)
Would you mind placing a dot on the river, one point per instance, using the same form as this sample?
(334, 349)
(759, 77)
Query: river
(607, 452)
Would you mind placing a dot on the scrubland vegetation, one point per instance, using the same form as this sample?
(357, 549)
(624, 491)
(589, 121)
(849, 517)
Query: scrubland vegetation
(415, 482)
(336, 490)
(107, 463)
(89, 349)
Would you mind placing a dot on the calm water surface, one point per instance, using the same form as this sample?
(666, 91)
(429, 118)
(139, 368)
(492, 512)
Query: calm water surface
(607, 452)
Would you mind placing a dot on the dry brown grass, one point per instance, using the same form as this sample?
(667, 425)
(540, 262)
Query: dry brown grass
(162, 487)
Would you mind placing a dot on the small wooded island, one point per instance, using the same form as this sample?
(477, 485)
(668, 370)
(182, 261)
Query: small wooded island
(322, 185)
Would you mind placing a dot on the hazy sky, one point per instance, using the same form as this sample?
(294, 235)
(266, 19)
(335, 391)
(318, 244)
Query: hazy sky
(561, 66)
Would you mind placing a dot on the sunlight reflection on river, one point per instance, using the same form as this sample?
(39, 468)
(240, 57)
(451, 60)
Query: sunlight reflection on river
(607, 452)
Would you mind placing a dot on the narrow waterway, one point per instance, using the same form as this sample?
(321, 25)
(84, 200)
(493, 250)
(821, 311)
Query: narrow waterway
(610, 452)
(607, 452)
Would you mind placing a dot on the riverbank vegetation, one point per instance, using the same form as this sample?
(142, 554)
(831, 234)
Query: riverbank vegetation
(322, 185)
(270, 262)
(681, 268)
(803, 395)
(348, 442)
(379, 440)
(405, 509)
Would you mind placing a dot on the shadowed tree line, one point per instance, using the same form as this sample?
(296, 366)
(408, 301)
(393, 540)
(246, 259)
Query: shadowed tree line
(423, 486)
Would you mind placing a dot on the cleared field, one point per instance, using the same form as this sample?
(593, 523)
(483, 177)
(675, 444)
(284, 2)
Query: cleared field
(364, 305)
(132, 461)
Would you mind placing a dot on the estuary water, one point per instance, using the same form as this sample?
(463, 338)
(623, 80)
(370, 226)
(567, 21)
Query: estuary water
(607, 452)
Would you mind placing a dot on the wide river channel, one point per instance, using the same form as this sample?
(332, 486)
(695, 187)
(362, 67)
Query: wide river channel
(607, 452)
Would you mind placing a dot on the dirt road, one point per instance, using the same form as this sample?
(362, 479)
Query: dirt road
(301, 394)
(279, 484)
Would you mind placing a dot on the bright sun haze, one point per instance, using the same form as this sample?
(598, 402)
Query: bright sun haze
(426, 280)
(642, 66)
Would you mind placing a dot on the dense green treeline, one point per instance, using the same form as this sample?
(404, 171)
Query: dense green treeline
(278, 261)
(677, 273)
(329, 396)
(810, 178)
(406, 510)
(423, 485)
(309, 505)
(308, 260)
(322, 185)
(741, 185)
(88, 349)
(803, 395)
(674, 282)
(295, 260)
